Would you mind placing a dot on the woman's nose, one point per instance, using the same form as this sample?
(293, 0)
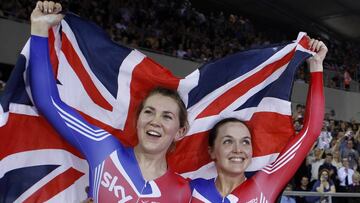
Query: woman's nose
(237, 147)
(155, 121)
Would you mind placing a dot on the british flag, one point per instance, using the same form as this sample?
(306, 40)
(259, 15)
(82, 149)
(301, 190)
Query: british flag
(105, 82)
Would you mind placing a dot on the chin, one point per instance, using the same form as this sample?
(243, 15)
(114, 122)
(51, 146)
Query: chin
(238, 169)
(152, 148)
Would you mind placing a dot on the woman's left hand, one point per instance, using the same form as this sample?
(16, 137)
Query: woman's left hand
(316, 62)
(45, 15)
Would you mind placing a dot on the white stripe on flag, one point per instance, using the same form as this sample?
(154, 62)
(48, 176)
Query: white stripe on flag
(123, 95)
(187, 84)
(70, 35)
(23, 109)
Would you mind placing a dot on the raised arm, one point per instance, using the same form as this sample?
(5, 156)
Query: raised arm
(289, 160)
(68, 123)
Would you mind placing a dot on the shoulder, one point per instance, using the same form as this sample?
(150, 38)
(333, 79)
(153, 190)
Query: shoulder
(177, 180)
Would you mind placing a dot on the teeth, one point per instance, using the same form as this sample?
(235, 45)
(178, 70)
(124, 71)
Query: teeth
(153, 133)
(237, 159)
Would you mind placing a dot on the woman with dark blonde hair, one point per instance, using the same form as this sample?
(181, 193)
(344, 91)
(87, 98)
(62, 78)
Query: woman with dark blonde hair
(117, 173)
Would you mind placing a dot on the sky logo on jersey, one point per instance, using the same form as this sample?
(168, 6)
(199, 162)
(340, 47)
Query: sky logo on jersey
(110, 182)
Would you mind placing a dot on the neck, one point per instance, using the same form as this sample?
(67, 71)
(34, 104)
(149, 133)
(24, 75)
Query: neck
(152, 166)
(225, 184)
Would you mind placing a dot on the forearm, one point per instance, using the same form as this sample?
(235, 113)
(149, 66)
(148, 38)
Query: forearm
(298, 147)
(42, 81)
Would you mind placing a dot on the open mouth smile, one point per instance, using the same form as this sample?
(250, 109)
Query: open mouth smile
(153, 133)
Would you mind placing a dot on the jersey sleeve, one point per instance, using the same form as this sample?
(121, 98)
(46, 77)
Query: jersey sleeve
(68, 123)
(291, 157)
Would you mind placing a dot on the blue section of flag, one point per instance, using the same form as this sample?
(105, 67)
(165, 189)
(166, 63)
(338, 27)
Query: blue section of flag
(14, 183)
(103, 55)
(280, 88)
(15, 87)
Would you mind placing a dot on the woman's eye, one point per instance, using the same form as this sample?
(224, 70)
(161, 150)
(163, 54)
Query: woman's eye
(246, 142)
(227, 142)
(147, 111)
(167, 117)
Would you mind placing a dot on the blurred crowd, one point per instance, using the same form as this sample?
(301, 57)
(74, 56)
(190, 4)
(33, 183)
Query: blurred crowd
(333, 165)
(178, 29)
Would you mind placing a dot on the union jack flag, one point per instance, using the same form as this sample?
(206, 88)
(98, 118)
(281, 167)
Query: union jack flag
(105, 82)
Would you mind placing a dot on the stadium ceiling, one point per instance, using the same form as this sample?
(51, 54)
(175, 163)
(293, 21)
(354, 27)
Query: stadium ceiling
(339, 18)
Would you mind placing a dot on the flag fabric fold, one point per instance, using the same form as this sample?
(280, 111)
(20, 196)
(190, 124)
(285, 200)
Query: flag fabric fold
(105, 82)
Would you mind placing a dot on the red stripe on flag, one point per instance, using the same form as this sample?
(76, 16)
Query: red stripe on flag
(37, 134)
(190, 153)
(270, 132)
(82, 74)
(241, 88)
(55, 186)
(305, 42)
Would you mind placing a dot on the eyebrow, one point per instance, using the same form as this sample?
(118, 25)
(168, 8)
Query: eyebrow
(152, 108)
(229, 136)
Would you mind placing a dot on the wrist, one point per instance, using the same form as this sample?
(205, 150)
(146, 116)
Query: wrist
(39, 29)
(316, 67)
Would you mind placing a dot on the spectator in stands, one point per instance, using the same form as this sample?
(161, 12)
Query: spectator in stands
(285, 198)
(355, 188)
(336, 159)
(316, 161)
(302, 187)
(325, 137)
(328, 166)
(357, 139)
(345, 174)
(299, 113)
(323, 184)
(298, 126)
(347, 79)
(350, 153)
(343, 126)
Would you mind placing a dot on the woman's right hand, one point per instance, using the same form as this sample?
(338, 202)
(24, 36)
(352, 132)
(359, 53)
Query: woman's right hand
(45, 15)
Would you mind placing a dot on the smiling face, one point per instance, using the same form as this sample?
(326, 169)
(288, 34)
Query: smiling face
(158, 124)
(232, 150)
